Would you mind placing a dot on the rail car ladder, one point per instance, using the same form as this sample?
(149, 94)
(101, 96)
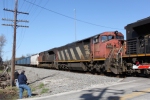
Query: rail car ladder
(113, 60)
(110, 54)
(119, 56)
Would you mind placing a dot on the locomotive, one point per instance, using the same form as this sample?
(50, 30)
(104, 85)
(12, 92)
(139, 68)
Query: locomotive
(100, 53)
(106, 52)
(137, 58)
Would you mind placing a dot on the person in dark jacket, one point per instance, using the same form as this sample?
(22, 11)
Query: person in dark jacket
(22, 79)
(16, 74)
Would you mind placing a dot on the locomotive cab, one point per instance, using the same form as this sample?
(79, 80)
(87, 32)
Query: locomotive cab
(109, 46)
(105, 42)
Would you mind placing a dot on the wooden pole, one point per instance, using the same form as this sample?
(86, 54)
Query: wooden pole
(14, 44)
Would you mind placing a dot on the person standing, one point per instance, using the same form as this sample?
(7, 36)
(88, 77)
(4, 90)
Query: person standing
(16, 74)
(22, 79)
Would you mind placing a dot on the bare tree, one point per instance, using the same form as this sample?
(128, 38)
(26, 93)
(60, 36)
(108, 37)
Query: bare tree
(28, 55)
(2, 44)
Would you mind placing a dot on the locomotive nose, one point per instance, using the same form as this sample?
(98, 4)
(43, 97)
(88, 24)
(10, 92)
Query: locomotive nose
(121, 42)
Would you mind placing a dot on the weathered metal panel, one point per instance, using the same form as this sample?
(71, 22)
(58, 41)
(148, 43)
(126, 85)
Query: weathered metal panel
(48, 57)
(22, 61)
(72, 54)
(75, 51)
(52, 57)
(83, 50)
(66, 58)
(59, 57)
(34, 59)
(79, 52)
(87, 51)
(77, 66)
(45, 56)
(40, 58)
(27, 60)
(19, 61)
(62, 53)
(67, 54)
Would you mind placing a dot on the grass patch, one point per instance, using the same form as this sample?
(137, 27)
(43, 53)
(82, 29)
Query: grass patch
(41, 85)
(9, 93)
(1, 71)
(44, 90)
(33, 87)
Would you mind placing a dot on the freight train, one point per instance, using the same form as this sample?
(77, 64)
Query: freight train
(106, 52)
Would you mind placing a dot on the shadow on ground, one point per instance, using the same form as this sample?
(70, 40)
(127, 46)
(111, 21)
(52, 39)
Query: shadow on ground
(100, 94)
(42, 78)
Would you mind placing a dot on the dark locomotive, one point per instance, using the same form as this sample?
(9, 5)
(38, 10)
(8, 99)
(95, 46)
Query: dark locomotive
(137, 59)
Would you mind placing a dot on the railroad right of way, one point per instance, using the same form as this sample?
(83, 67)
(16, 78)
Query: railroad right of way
(55, 81)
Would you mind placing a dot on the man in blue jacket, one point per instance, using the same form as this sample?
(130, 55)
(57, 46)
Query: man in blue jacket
(22, 79)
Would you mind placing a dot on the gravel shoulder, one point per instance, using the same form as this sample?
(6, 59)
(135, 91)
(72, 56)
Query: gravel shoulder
(49, 82)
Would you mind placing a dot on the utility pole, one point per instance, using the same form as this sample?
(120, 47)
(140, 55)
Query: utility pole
(14, 36)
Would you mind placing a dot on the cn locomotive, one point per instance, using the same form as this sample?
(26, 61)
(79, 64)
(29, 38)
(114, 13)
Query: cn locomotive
(106, 52)
(91, 54)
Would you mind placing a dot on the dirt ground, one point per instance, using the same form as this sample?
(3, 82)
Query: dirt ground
(9, 93)
(6, 92)
(45, 82)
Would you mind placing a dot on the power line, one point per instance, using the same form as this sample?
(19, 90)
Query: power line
(34, 11)
(71, 17)
(31, 6)
(40, 10)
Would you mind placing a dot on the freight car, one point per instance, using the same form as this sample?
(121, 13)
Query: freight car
(28, 61)
(137, 58)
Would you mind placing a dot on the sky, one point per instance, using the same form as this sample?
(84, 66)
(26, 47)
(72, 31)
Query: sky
(54, 23)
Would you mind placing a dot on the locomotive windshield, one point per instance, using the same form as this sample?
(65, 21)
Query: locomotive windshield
(119, 37)
(104, 38)
(110, 37)
(107, 38)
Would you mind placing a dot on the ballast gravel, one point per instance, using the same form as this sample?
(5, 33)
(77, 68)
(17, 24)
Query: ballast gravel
(56, 81)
